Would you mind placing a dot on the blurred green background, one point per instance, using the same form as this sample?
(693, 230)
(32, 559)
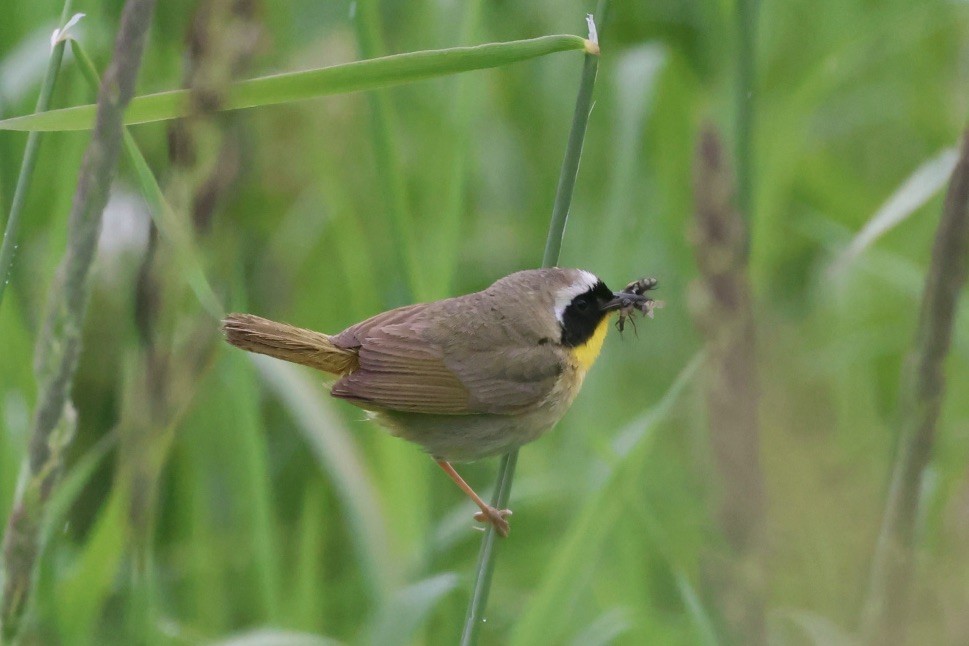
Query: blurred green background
(281, 510)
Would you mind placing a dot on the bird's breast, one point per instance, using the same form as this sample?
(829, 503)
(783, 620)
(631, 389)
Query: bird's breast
(586, 354)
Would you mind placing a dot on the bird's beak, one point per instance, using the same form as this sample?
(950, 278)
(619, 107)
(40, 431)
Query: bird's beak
(623, 299)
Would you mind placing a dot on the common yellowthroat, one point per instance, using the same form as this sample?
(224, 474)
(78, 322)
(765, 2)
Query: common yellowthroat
(465, 377)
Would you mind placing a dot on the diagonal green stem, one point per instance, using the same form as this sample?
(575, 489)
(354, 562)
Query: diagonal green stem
(172, 229)
(9, 247)
(560, 211)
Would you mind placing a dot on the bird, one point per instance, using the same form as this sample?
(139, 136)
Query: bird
(466, 377)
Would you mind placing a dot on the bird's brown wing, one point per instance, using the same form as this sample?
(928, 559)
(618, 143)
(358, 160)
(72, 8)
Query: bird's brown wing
(507, 379)
(404, 367)
(398, 371)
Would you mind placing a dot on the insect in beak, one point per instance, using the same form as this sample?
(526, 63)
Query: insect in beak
(624, 300)
(633, 298)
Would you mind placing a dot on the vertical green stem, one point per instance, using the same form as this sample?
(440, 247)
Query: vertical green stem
(486, 564)
(570, 167)
(464, 109)
(387, 155)
(59, 342)
(9, 247)
(890, 589)
(560, 212)
(746, 14)
(174, 231)
(410, 468)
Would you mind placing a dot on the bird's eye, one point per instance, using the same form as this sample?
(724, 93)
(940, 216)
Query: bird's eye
(582, 306)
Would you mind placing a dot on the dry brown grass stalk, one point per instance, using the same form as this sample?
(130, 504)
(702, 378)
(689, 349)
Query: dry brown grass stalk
(59, 344)
(885, 613)
(723, 311)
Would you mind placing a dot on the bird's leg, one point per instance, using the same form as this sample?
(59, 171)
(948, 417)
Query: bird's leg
(488, 514)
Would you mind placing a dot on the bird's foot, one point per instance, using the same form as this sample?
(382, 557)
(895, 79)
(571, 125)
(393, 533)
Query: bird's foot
(495, 517)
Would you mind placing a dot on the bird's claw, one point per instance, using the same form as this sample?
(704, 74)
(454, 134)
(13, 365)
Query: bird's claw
(495, 517)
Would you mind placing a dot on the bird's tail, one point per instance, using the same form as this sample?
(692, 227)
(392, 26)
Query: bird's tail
(289, 343)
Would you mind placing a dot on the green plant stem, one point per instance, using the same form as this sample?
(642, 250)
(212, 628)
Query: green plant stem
(884, 616)
(10, 235)
(570, 168)
(746, 14)
(463, 111)
(560, 211)
(146, 437)
(387, 156)
(58, 346)
(385, 137)
(169, 225)
(486, 563)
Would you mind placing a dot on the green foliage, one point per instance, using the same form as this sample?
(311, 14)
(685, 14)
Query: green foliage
(367, 74)
(284, 517)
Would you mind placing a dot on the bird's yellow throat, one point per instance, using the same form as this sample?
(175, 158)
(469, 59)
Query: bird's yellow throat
(587, 353)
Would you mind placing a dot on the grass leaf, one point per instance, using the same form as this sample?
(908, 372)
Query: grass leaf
(369, 74)
(83, 592)
(8, 245)
(574, 561)
(409, 608)
(927, 180)
(274, 637)
(170, 226)
(606, 629)
(333, 448)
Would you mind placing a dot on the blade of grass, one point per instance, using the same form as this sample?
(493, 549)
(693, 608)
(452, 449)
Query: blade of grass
(75, 479)
(181, 241)
(338, 458)
(387, 156)
(275, 637)
(746, 15)
(662, 541)
(560, 211)
(569, 571)
(23, 536)
(409, 510)
(83, 592)
(204, 562)
(79, 476)
(885, 611)
(296, 86)
(58, 347)
(463, 110)
(606, 629)
(597, 515)
(169, 225)
(927, 180)
(255, 485)
(486, 564)
(403, 615)
(637, 75)
(706, 634)
(819, 629)
(11, 232)
(306, 602)
(725, 316)
(24, 62)
(570, 166)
